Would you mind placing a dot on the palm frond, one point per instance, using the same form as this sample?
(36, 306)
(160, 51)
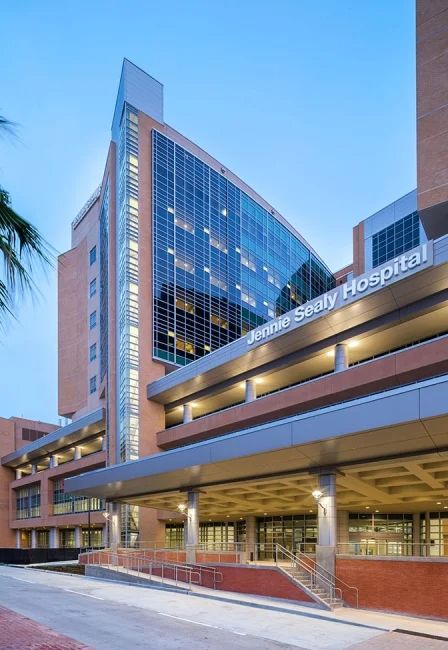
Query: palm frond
(22, 247)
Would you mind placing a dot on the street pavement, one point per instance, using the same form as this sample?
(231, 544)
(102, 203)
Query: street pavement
(111, 616)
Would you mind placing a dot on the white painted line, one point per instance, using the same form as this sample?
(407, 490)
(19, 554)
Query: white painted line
(31, 582)
(188, 620)
(80, 593)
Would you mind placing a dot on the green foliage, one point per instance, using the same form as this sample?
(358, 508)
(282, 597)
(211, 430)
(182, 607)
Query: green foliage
(21, 247)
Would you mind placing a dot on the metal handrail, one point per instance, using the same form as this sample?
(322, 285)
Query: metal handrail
(217, 575)
(333, 576)
(314, 575)
(317, 572)
(127, 561)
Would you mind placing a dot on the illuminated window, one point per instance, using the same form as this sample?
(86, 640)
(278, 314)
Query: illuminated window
(184, 346)
(185, 306)
(220, 322)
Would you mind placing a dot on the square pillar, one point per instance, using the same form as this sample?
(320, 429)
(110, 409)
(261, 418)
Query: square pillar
(54, 538)
(192, 539)
(78, 453)
(18, 544)
(33, 538)
(416, 534)
(78, 537)
(343, 537)
(327, 523)
(114, 527)
(251, 539)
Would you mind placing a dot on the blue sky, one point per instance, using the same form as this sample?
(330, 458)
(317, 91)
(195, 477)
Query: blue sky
(311, 102)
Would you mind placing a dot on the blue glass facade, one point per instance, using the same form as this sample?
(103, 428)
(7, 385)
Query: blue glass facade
(222, 263)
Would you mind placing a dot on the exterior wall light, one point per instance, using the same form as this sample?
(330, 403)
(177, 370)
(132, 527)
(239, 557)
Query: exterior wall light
(318, 494)
(182, 507)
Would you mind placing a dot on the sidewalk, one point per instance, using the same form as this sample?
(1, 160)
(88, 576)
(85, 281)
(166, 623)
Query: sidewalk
(20, 633)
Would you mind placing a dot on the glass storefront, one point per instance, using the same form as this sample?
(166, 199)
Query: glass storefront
(434, 534)
(212, 535)
(380, 534)
(294, 532)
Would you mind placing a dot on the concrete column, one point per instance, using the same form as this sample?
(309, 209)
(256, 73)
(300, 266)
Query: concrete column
(104, 443)
(188, 413)
(251, 390)
(343, 537)
(427, 534)
(327, 523)
(78, 453)
(78, 536)
(416, 537)
(54, 538)
(192, 540)
(18, 545)
(114, 527)
(18, 474)
(33, 469)
(33, 538)
(340, 357)
(251, 538)
(53, 461)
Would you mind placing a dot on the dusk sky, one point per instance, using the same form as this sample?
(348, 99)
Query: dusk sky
(311, 102)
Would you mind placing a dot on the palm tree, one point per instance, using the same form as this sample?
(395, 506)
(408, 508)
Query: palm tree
(21, 246)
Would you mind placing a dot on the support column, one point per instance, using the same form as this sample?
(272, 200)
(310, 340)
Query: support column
(104, 443)
(427, 534)
(54, 538)
(53, 461)
(78, 453)
(33, 469)
(33, 538)
(251, 390)
(18, 474)
(18, 538)
(343, 537)
(188, 413)
(416, 536)
(251, 539)
(78, 537)
(327, 523)
(340, 357)
(192, 540)
(114, 527)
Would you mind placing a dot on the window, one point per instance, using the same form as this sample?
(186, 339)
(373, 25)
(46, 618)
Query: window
(92, 320)
(28, 502)
(92, 290)
(185, 306)
(92, 255)
(396, 239)
(92, 384)
(32, 434)
(65, 504)
(93, 352)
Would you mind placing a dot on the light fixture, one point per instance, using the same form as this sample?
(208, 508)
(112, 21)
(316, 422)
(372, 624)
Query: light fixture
(106, 515)
(367, 507)
(318, 494)
(439, 503)
(353, 344)
(330, 353)
(182, 507)
(376, 510)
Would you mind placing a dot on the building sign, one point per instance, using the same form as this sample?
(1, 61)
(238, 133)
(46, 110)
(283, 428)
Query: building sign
(414, 260)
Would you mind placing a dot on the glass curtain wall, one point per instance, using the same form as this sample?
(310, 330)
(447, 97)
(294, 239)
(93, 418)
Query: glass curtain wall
(223, 264)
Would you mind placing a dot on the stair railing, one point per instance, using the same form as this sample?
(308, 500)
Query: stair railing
(318, 580)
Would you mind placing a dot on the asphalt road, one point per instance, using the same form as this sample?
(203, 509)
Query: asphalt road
(109, 616)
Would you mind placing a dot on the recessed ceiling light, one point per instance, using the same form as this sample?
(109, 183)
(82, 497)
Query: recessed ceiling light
(376, 510)
(367, 507)
(439, 503)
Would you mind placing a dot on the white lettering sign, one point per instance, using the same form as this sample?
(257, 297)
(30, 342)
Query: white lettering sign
(388, 273)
